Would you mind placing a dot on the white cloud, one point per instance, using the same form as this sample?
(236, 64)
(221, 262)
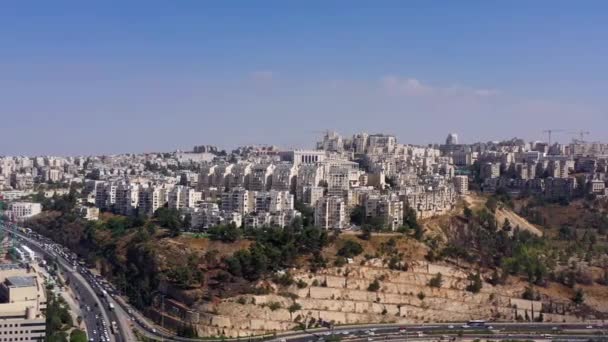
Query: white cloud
(399, 86)
(405, 86)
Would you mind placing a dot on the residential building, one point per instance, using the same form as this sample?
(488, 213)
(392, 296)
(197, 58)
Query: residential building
(331, 213)
(461, 184)
(388, 208)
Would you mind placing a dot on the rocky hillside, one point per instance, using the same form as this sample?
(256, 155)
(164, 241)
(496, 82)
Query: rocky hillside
(348, 295)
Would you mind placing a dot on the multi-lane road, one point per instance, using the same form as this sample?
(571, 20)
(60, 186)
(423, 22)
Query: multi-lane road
(101, 306)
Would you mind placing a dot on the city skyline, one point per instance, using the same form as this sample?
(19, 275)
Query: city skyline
(151, 77)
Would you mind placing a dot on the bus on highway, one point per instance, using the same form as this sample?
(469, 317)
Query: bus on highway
(476, 323)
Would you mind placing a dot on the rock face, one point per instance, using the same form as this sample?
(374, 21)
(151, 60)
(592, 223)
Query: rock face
(341, 296)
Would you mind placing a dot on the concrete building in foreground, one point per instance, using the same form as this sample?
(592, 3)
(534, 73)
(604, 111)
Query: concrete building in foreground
(22, 301)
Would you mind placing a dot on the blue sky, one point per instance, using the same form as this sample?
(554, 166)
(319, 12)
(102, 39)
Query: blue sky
(88, 77)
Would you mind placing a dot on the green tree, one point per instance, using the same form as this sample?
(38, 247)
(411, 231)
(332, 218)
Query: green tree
(78, 335)
(475, 283)
(579, 297)
(350, 249)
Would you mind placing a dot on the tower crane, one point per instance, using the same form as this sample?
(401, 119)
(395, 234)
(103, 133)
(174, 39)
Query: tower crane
(551, 131)
(581, 134)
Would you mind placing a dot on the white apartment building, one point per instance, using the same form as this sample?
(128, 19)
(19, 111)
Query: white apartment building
(239, 176)
(20, 211)
(284, 177)
(389, 208)
(22, 301)
(272, 201)
(221, 175)
(205, 177)
(151, 198)
(237, 200)
(338, 181)
(204, 215)
(260, 178)
(183, 197)
(105, 196)
(461, 184)
(311, 194)
(308, 176)
(127, 198)
(331, 213)
(490, 170)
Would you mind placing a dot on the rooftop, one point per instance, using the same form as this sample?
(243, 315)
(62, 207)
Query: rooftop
(21, 281)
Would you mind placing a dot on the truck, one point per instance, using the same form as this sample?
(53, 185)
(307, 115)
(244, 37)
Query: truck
(114, 327)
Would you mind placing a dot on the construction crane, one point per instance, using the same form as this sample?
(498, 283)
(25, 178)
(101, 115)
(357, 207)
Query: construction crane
(551, 131)
(581, 134)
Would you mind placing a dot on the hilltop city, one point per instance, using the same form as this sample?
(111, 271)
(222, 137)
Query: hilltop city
(160, 245)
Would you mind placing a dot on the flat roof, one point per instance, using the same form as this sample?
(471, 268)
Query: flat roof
(22, 281)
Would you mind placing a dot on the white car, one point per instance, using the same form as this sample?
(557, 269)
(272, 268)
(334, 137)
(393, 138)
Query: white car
(465, 326)
(450, 326)
(589, 327)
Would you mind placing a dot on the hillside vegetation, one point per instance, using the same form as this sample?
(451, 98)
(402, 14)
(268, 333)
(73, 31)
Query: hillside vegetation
(496, 257)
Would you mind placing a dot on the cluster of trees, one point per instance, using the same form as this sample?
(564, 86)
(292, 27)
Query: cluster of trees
(172, 220)
(187, 275)
(514, 250)
(225, 233)
(275, 248)
(58, 320)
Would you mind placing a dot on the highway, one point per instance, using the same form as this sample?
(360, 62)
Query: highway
(95, 294)
(96, 314)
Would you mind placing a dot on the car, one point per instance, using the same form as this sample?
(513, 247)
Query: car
(450, 327)
(590, 327)
(345, 332)
(554, 328)
(489, 327)
(465, 326)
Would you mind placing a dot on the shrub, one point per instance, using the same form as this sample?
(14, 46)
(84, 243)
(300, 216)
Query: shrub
(274, 306)
(421, 295)
(374, 286)
(436, 281)
(294, 307)
(350, 249)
